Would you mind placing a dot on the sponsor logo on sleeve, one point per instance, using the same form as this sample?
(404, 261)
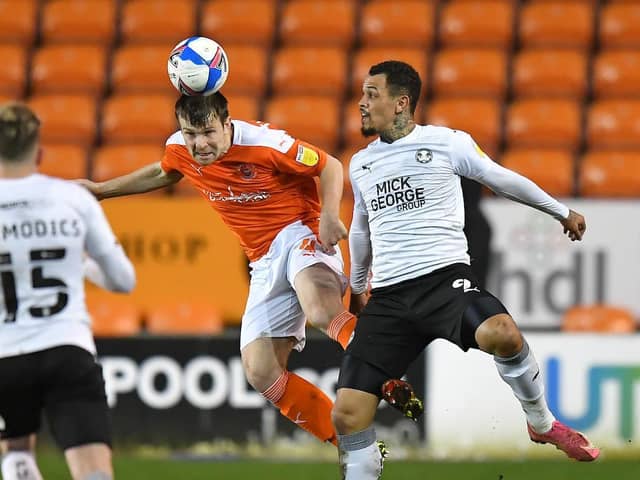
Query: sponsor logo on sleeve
(307, 156)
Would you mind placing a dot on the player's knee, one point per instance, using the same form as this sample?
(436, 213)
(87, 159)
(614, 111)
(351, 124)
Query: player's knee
(20, 465)
(499, 335)
(345, 417)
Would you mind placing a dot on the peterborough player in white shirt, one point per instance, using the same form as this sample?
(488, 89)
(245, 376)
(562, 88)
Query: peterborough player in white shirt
(52, 234)
(407, 229)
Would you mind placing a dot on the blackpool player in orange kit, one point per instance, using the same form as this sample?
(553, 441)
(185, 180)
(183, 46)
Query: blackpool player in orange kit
(261, 182)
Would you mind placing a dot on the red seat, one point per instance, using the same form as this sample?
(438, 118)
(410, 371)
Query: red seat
(470, 72)
(544, 123)
(184, 318)
(616, 73)
(13, 75)
(401, 23)
(610, 174)
(115, 160)
(18, 21)
(301, 23)
(76, 21)
(244, 107)
(113, 315)
(477, 23)
(557, 24)
(550, 72)
(598, 318)
(250, 69)
(309, 118)
(74, 68)
(141, 69)
(619, 22)
(614, 124)
(310, 71)
(66, 118)
(64, 161)
(157, 21)
(552, 170)
(248, 22)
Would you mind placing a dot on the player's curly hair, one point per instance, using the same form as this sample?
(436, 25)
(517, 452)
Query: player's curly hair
(199, 109)
(19, 131)
(402, 79)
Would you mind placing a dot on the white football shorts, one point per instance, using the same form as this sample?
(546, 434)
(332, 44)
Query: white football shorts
(272, 307)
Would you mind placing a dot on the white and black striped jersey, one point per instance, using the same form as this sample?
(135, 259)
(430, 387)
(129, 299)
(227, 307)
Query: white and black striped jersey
(408, 215)
(47, 226)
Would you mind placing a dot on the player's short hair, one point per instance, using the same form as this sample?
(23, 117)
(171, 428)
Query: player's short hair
(19, 131)
(198, 109)
(402, 79)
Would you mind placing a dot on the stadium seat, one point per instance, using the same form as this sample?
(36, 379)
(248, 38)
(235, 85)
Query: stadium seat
(138, 118)
(74, 68)
(141, 69)
(365, 58)
(401, 23)
(13, 75)
(543, 123)
(619, 25)
(115, 160)
(113, 315)
(313, 119)
(547, 24)
(250, 70)
(614, 124)
(598, 319)
(184, 318)
(64, 161)
(552, 170)
(249, 22)
(157, 21)
(66, 118)
(302, 70)
(616, 73)
(244, 107)
(610, 174)
(73, 21)
(550, 72)
(18, 21)
(470, 72)
(300, 25)
(476, 23)
(480, 117)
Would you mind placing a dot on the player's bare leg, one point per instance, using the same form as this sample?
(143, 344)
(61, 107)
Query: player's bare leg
(18, 459)
(500, 336)
(90, 462)
(265, 365)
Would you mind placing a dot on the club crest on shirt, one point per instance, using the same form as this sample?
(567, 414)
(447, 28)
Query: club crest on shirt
(306, 156)
(247, 171)
(424, 155)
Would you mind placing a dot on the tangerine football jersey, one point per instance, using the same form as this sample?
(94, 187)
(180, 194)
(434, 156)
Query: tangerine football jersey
(263, 183)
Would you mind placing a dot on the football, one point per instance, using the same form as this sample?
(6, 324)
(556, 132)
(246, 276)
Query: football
(198, 66)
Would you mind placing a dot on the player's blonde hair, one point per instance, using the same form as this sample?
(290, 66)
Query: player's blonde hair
(19, 131)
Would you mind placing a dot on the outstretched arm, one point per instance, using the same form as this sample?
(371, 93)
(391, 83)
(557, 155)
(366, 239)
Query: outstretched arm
(332, 230)
(148, 178)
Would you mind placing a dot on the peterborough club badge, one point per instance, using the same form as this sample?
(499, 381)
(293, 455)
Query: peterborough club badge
(424, 156)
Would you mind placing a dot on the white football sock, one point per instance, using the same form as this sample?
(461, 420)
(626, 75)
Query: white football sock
(20, 465)
(360, 457)
(522, 373)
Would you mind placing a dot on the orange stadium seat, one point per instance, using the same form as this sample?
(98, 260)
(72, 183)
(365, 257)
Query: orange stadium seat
(312, 71)
(366, 57)
(113, 316)
(598, 318)
(66, 118)
(480, 117)
(401, 23)
(141, 69)
(619, 25)
(64, 161)
(557, 24)
(78, 21)
(184, 318)
(614, 124)
(549, 72)
(138, 118)
(74, 68)
(157, 21)
(313, 119)
(552, 170)
(244, 107)
(610, 174)
(470, 72)
(115, 160)
(616, 73)
(249, 22)
(250, 69)
(18, 21)
(544, 123)
(477, 23)
(300, 25)
(13, 75)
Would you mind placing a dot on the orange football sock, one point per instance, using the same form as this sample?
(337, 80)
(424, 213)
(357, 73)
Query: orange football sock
(341, 328)
(304, 404)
